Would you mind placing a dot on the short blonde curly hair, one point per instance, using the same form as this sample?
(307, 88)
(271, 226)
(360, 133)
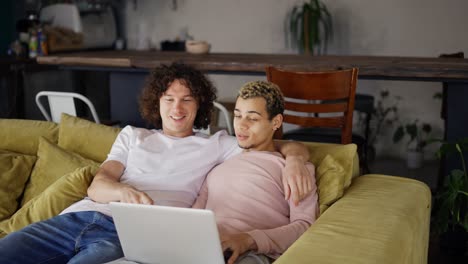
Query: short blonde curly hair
(267, 90)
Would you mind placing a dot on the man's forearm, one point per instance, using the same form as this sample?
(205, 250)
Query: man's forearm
(103, 190)
(292, 149)
(106, 187)
(296, 180)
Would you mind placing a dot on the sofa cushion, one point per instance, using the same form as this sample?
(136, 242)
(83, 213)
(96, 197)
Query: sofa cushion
(67, 190)
(343, 154)
(329, 177)
(90, 140)
(15, 169)
(52, 163)
(23, 135)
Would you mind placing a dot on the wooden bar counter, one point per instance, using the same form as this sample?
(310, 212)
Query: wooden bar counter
(370, 67)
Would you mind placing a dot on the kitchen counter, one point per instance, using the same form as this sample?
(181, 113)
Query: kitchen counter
(370, 67)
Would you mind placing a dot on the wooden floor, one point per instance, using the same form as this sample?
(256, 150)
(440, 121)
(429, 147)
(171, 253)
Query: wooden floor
(428, 174)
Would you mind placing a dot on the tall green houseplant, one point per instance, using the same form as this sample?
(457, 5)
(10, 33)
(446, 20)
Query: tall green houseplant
(310, 27)
(451, 203)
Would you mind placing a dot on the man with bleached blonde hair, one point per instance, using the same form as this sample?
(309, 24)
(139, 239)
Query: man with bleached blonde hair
(255, 222)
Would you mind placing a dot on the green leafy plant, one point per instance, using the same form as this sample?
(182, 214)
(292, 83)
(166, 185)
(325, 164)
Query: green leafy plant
(418, 135)
(385, 113)
(451, 203)
(311, 27)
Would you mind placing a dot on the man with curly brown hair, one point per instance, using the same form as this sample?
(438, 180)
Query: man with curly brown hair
(164, 166)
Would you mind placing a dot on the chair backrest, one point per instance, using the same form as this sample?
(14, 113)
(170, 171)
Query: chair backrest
(63, 102)
(225, 115)
(314, 89)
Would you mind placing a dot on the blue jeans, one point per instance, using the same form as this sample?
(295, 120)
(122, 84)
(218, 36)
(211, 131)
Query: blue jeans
(81, 237)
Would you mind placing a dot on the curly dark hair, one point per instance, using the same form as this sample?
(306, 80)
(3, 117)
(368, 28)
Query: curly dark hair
(159, 80)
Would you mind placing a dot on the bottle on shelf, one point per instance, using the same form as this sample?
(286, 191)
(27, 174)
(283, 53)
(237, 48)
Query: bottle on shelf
(42, 43)
(33, 44)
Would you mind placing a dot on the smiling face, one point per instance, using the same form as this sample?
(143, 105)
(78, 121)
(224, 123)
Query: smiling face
(178, 109)
(254, 130)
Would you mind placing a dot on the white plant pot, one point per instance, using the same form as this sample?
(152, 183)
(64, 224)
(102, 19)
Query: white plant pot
(414, 159)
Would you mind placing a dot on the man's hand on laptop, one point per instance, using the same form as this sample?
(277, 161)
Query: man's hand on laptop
(238, 244)
(128, 194)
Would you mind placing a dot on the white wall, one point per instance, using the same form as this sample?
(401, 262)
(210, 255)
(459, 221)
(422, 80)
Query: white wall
(422, 28)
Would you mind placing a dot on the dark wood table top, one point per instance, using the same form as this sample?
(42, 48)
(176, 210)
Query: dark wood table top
(370, 67)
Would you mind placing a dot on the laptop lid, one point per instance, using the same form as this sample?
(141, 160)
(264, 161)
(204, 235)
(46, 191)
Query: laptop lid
(167, 235)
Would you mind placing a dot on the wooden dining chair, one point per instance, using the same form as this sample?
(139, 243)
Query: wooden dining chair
(326, 99)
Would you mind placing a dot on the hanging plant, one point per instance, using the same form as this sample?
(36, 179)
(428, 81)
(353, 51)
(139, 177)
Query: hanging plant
(310, 27)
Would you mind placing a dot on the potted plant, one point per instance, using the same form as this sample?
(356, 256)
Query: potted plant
(450, 208)
(310, 26)
(384, 114)
(418, 139)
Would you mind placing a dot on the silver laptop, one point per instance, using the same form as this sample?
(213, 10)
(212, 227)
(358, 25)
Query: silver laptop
(167, 235)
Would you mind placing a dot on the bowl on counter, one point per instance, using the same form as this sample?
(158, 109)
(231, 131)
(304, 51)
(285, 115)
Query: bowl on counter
(197, 47)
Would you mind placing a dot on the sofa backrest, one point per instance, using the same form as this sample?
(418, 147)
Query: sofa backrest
(22, 136)
(83, 137)
(86, 138)
(335, 164)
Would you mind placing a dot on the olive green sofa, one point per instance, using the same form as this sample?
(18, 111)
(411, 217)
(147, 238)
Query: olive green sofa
(45, 167)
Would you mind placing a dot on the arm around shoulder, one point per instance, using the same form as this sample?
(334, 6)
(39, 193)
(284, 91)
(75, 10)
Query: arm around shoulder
(292, 149)
(308, 209)
(296, 180)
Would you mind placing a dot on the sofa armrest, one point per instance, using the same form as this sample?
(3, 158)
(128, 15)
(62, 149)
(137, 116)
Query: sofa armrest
(380, 219)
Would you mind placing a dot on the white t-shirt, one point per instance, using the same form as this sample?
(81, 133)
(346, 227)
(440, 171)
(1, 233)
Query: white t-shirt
(170, 170)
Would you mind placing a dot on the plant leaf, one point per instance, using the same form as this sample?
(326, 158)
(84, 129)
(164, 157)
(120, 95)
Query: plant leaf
(446, 149)
(328, 26)
(300, 31)
(412, 130)
(463, 143)
(314, 4)
(426, 128)
(314, 31)
(455, 182)
(291, 28)
(296, 27)
(399, 134)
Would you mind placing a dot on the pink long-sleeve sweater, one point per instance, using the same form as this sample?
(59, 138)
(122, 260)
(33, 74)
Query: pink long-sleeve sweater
(246, 194)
